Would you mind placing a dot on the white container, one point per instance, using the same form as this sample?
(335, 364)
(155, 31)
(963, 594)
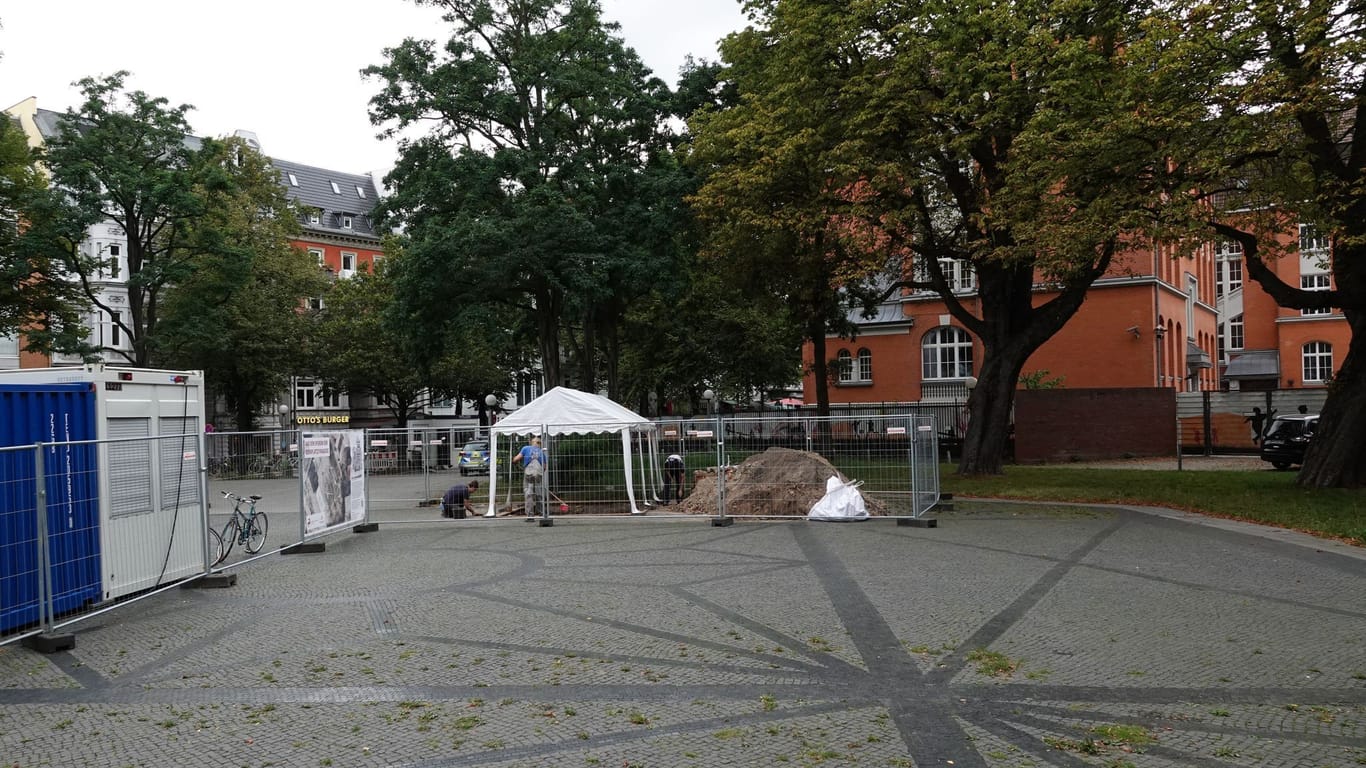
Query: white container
(151, 521)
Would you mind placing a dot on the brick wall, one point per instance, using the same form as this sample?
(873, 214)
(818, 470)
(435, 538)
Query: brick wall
(1057, 425)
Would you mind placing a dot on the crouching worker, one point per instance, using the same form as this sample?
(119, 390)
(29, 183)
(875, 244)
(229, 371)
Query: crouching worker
(673, 479)
(457, 501)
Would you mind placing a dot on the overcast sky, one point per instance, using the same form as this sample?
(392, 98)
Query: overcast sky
(286, 69)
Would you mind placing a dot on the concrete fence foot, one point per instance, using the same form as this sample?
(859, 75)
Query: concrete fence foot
(50, 643)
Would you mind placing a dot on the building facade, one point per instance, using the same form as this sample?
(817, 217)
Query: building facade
(1157, 318)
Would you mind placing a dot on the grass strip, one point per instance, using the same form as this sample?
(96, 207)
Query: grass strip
(1271, 498)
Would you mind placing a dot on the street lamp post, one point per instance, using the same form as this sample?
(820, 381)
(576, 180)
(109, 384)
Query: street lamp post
(283, 410)
(707, 396)
(491, 402)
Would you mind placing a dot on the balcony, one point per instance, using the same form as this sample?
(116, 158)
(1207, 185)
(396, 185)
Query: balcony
(946, 391)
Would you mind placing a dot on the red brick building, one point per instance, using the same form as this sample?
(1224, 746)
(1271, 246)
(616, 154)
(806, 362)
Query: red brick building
(1157, 318)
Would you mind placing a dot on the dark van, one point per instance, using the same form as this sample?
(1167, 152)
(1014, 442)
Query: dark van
(1287, 438)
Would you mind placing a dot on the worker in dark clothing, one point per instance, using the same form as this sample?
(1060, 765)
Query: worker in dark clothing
(673, 479)
(457, 502)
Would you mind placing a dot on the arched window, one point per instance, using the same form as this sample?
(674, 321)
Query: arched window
(845, 364)
(1318, 361)
(864, 372)
(946, 353)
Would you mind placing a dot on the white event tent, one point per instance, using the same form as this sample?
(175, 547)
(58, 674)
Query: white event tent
(564, 411)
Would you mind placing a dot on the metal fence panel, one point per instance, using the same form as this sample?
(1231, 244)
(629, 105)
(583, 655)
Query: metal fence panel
(245, 464)
(890, 457)
(37, 582)
(428, 454)
(78, 535)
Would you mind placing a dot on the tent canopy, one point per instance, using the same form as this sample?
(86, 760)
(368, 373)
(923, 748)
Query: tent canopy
(564, 411)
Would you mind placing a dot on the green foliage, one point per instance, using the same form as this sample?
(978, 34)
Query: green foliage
(358, 348)
(36, 293)
(1278, 139)
(1039, 380)
(125, 157)
(543, 183)
(238, 316)
(773, 201)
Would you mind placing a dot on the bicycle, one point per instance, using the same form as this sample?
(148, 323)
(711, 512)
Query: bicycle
(246, 528)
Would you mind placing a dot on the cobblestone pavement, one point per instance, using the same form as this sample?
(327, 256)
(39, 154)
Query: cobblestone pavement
(1011, 635)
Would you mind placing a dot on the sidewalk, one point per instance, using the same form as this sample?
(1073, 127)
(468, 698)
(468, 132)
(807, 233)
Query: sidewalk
(1010, 635)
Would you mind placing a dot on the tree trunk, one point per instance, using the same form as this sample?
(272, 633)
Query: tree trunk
(990, 413)
(548, 332)
(1336, 457)
(820, 368)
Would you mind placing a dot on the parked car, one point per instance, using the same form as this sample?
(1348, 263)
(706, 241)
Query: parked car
(1287, 438)
(474, 458)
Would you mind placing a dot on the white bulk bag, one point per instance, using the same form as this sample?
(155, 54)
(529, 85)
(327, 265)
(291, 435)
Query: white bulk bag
(842, 502)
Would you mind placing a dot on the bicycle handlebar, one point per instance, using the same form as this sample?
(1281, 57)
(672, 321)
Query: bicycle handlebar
(245, 500)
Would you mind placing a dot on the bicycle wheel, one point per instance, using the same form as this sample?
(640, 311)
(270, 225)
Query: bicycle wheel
(229, 537)
(256, 532)
(216, 554)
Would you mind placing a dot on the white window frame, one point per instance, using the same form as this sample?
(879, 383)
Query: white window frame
(305, 393)
(844, 363)
(315, 218)
(336, 190)
(319, 256)
(1192, 295)
(1235, 333)
(1317, 281)
(1316, 360)
(957, 273)
(330, 397)
(360, 191)
(1311, 241)
(293, 180)
(946, 354)
(9, 351)
(348, 263)
(863, 365)
(1228, 264)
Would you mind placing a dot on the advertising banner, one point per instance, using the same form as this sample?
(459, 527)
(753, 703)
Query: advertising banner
(333, 472)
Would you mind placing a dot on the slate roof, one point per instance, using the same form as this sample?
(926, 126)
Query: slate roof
(335, 195)
(314, 188)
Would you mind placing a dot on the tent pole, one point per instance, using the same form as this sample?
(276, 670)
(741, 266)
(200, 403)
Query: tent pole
(493, 474)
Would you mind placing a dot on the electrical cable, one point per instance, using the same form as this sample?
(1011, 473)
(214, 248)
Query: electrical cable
(180, 476)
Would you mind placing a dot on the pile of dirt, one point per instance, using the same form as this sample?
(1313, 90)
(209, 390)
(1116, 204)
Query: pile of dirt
(777, 482)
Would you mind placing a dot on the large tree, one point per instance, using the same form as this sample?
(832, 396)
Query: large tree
(363, 344)
(38, 298)
(126, 158)
(772, 201)
(542, 181)
(240, 315)
(1012, 138)
(1282, 139)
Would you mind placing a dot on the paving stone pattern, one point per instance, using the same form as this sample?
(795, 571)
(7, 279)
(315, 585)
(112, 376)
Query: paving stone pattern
(1009, 636)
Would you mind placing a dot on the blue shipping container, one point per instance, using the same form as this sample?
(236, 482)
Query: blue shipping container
(55, 414)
